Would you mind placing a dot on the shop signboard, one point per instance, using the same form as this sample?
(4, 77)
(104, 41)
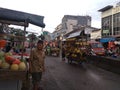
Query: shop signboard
(106, 31)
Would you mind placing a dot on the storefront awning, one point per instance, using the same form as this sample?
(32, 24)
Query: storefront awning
(107, 39)
(17, 16)
(74, 34)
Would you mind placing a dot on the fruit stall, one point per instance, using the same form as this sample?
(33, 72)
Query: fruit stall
(76, 46)
(12, 71)
(75, 51)
(14, 68)
(55, 51)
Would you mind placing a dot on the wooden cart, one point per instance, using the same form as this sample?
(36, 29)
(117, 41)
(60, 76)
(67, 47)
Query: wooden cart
(13, 80)
(75, 51)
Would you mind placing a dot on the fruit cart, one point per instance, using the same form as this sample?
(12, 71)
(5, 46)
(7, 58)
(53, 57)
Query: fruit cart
(12, 80)
(14, 72)
(75, 51)
(55, 51)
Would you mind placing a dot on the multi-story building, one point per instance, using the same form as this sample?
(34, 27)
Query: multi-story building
(69, 21)
(110, 17)
(57, 32)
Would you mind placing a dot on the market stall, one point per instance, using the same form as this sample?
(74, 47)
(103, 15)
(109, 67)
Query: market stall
(76, 47)
(75, 51)
(14, 68)
(13, 79)
(55, 51)
(13, 71)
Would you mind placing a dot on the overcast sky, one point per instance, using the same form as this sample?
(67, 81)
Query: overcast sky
(54, 10)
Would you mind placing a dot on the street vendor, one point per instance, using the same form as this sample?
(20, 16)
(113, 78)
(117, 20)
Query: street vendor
(8, 47)
(36, 64)
(48, 49)
(63, 52)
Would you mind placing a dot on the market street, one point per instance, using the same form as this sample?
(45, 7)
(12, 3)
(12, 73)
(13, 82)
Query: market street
(60, 75)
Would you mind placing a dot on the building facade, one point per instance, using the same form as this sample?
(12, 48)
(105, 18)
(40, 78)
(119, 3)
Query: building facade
(110, 17)
(68, 24)
(69, 21)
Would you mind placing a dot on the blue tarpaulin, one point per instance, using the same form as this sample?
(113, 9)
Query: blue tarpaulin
(107, 39)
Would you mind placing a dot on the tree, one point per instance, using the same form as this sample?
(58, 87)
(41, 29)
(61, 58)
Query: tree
(42, 37)
(32, 37)
(18, 34)
(4, 29)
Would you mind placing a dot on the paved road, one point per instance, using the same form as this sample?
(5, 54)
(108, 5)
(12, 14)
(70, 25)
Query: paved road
(60, 75)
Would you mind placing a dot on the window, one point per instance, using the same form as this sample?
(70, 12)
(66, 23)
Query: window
(116, 24)
(97, 45)
(107, 25)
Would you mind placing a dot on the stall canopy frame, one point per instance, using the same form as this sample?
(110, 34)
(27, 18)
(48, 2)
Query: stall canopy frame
(8, 16)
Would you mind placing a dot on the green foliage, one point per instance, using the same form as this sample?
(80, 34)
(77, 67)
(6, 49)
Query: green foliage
(45, 32)
(42, 37)
(32, 37)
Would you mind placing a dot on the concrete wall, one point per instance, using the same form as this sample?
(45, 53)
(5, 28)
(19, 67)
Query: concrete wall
(95, 35)
(70, 23)
(111, 11)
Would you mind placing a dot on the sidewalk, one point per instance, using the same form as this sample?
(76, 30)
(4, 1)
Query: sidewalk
(114, 58)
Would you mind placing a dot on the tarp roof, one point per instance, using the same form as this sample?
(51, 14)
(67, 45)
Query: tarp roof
(107, 39)
(75, 34)
(13, 15)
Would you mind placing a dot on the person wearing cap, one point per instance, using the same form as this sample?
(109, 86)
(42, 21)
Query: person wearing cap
(36, 64)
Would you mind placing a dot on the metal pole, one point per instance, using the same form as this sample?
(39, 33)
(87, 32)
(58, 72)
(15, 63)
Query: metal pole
(61, 38)
(112, 22)
(23, 42)
(42, 30)
(31, 43)
(61, 49)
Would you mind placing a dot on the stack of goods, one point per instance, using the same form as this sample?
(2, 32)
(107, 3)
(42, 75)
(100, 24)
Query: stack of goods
(8, 62)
